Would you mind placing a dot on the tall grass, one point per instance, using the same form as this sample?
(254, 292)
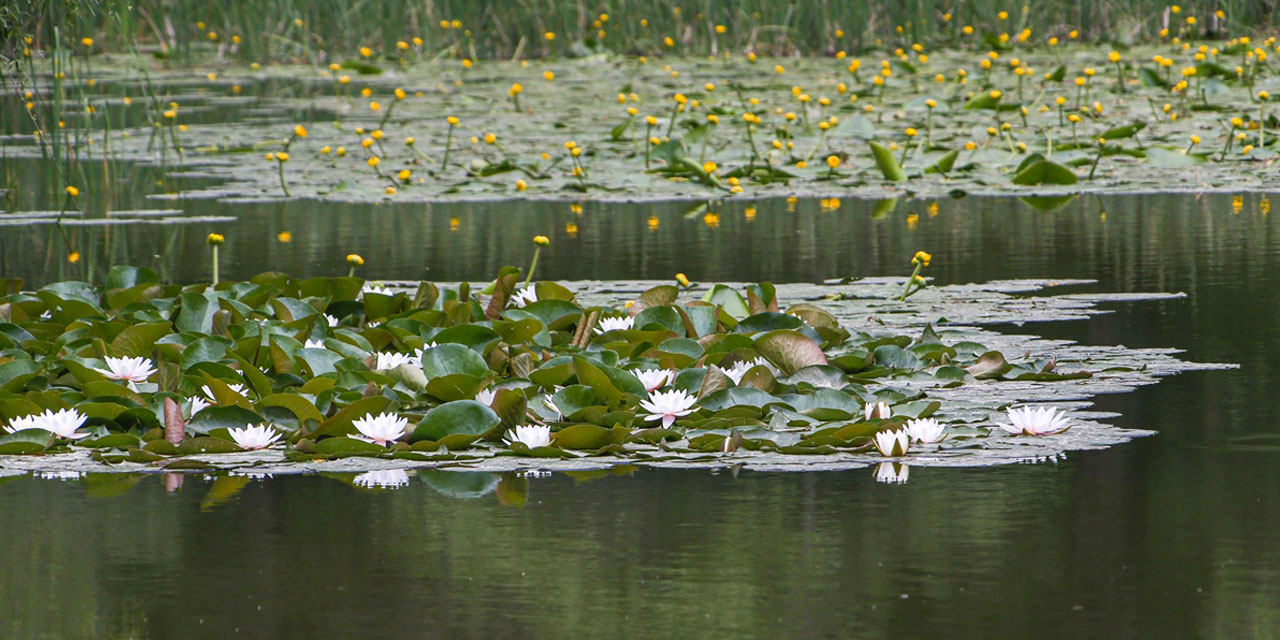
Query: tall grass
(327, 29)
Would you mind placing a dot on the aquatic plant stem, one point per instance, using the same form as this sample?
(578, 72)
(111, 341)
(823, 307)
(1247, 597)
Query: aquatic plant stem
(906, 290)
(533, 264)
(448, 144)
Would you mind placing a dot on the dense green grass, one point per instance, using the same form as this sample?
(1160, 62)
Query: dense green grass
(317, 30)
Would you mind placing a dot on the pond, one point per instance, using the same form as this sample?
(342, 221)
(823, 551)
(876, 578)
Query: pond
(1083, 543)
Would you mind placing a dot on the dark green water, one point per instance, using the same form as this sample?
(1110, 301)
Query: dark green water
(1177, 535)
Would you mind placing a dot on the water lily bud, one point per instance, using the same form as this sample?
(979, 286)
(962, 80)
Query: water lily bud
(355, 260)
(682, 279)
(542, 241)
(72, 191)
(215, 239)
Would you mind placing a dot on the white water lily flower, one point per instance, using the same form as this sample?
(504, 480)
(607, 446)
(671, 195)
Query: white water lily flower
(314, 344)
(668, 405)
(1036, 422)
(416, 358)
(62, 424)
(530, 435)
(250, 437)
(485, 396)
(391, 360)
(892, 444)
(926, 430)
(330, 320)
(374, 287)
(198, 404)
(238, 388)
(614, 324)
(61, 475)
(653, 379)
(383, 429)
(382, 479)
(524, 297)
(127, 369)
(892, 472)
(740, 369)
(876, 410)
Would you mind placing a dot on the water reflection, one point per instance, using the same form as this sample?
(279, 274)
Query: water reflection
(973, 553)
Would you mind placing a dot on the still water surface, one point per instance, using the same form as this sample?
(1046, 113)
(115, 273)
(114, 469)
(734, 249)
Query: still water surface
(1177, 535)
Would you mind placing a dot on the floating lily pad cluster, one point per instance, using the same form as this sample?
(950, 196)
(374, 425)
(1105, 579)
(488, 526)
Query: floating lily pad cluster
(333, 365)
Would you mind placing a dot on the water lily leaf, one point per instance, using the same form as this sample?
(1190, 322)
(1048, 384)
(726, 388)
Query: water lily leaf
(587, 436)
(139, 339)
(728, 299)
(348, 445)
(554, 314)
(887, 164)
(519, 331)
(318, 361)
(945, 163)
(206, 444)
(112, 441)
(24, 441)
(125, 277)
(916, 409)
(1045, 172)
(458, 417)
(196, 314)
(300, 406)
(202, 350)
(473, 336)
(449, 359)
(1124, 131)
(737, 397)
(457, 386)
(223, 417)
(573, 399)
(990, 365)
(768, 321)
(820, 376)
(789, 351)
(1172, 158)
(660, 318)
(340, 423)
(660, 296)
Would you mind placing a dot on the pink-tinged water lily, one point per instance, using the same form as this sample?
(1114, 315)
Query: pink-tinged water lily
(382, 429)
(62, 424)
(382, 479)
(250, 437)
(653, 379)
(1044, 421)
(530, 435)
(524, 297)
(668, 405)
(892, 444)
(878, 410)
(391, 360)
(926, 430)
(614, 324)
(892, 472)
(127, 369)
